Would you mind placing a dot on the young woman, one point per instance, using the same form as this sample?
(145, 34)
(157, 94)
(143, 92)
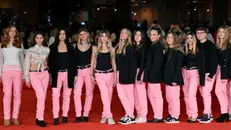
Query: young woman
(209, 61)
(83, 51)
(63, 72)
(153, 74)
(191, 75)
(103, 72)
(173, 77)
(140, 86)
(11, 66)
(126, 73)
(36, 73)
(222, 74)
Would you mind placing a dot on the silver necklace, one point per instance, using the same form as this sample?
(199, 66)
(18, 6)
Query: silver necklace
(86, 44)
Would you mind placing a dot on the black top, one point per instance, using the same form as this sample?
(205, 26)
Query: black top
(127, 66)
(62, 65)
(209, 54)
(83, 58)
(173, 67)
(53, 61)
(141, 52)
(224, 62)
(118, 59)
(103, 61)
(190, 60)
(154, 65)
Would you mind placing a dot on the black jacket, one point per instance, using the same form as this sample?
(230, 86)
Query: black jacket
(127, 66)
(52, 63)
(224, 62)
(209, 57)
(173, 67)
(141, 59)
(154, 65)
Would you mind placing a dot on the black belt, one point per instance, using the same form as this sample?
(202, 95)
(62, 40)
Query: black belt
(104, 71)
(38, 70)
(83, 67)
(191, 68)
(63, 70)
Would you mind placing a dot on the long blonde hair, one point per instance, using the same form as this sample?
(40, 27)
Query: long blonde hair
(127, 42)
(229, 35)
(100, 45)
(194, 50)
(89, 39)
(224, 44)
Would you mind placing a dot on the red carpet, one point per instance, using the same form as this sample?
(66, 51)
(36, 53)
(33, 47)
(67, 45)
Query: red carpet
(27, 116)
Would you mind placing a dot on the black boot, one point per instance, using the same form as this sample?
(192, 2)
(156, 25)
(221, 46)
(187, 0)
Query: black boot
(40, 123)
(85, 119)
(56, 121)
(64, 120)
(78, 119)
(223, 117)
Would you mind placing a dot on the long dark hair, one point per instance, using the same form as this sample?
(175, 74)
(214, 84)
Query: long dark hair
(57, 37)
(143, 38)
(44, 40)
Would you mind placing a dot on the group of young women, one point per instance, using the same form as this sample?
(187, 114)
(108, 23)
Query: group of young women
(130, 66)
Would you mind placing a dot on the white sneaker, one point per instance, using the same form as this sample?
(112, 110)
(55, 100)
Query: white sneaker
(110, 121)
(103, 120)
(141, 120)
(121, 119)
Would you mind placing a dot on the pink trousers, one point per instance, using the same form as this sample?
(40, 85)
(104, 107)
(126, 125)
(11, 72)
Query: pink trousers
(156, 99)
(12, 78)
(126, 96)
(140, 97)
(61, 81)
(39, 81)
(191, 84)
(173, 99)
(221, 91)
(105, 84)
(205, 92)
(229, 95)
(83, 77)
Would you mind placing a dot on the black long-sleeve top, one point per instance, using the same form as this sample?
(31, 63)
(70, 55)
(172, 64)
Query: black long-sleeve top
(53, 67)
(141, 52)
(209, 54)
(173, 67)
(154, 65)
(224, 62)
(127, 65)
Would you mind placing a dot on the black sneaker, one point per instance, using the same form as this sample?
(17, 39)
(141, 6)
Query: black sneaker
(155, 120)
(128, 120)
(210, 117)
(169, 117)
(205, 119)
(78, 119)
(172, 120)
(56, 121)
(121, 119)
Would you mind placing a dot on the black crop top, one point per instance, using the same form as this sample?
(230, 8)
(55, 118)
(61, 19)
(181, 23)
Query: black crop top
(62, 63)
(103, 61)
(83, 58)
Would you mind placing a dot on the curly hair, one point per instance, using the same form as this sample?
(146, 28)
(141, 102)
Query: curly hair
(6, 38)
